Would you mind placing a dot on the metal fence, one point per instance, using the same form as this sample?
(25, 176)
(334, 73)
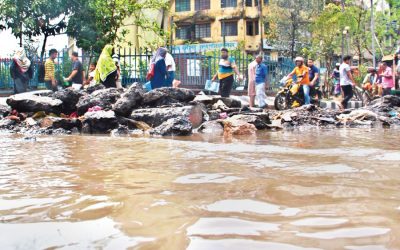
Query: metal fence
(193, 68)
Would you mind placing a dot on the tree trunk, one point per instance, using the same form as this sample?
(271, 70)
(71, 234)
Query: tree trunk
(293, 40)
(43, 47)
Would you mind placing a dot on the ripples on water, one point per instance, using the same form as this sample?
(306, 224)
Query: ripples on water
(284, 190)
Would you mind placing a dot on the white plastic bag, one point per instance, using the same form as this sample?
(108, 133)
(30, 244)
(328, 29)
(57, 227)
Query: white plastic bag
(212, 86)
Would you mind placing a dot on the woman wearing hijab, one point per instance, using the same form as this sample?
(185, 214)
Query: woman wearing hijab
(21, 71)
(160, 69)
(106, 70)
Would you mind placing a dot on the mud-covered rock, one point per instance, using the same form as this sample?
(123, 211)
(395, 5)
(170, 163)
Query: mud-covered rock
(103, 98)
(210, 101)
(4, 110)
(99, 122)
(167, 96)
(259, 120)
(130, 100)
(156, 116)
(28, 102)
(94, 88)
(238, 127)
(390, 100)
(132, 124)
(212, 127)
(69, 98)
(179, 126)
(56, 123)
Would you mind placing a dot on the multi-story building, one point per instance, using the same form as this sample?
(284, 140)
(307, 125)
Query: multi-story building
(219, 21)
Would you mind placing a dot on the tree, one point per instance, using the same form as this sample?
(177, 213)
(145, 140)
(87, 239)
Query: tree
(291, 22)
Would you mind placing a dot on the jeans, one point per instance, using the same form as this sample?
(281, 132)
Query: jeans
(387, 91)
(50, 86)
(225, 86)
(170, 78)
(260, 95)
(348, 94)
(306, 90)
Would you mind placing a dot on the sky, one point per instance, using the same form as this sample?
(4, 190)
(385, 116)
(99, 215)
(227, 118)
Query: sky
(8, 43)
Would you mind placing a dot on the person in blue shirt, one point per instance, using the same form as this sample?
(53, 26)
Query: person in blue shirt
(261, 80)
(314, 75)
(160, 69)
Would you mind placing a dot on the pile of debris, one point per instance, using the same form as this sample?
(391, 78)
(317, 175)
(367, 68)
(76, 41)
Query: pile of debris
(171, 112)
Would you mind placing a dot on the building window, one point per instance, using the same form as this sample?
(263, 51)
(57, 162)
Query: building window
(182, 5)
(228, 3)
(251, 3)
(266, 28)
(202, 5)
(252, 28)
(229, 28)
(184, 32)
(203, 30)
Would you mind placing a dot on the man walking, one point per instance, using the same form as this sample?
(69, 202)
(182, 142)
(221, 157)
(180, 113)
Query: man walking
(261, 79)
(49, 71)
(77, 76)
(226, 68)
(346, 81)
(251, 89)
(314, 76)
(387, 79)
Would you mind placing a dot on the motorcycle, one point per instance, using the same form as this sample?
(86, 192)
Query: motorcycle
(291, 95)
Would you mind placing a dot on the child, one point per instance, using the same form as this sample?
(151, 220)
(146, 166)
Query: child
(90, 81)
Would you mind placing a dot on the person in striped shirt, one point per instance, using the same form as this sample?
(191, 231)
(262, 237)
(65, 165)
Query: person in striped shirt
(227, 68)
(50, 71)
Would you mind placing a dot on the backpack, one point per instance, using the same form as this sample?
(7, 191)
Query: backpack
(41, 72)
(150, 73)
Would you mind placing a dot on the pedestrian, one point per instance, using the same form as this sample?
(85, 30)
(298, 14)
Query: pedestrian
(226, 69)
(106, 71)
(50, 71)
(251, 89)
(379, 81)
(336, 80)
(303, 77)
(118, 80)
(76, 78)
(313, 75)
(171, 68)
(370, 79)
(160, 69)
(387, 79)
(90, 80)
(346, 81)
(261, 81)
(21, 71)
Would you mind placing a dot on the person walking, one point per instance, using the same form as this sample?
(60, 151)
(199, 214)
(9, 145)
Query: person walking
(21, 71)
(50, 71)
(261, 81)
(76, 77)
(302, 73)
(160, 69)
(314, 76)
(397, 83)
(251, 89)
(106, 71)
(346, 81)
(171, 68)
(336, 80)
(387, 79)
(226, 69)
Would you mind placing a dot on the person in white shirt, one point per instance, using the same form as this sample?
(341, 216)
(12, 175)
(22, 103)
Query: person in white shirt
(346, 81)
(171, 68)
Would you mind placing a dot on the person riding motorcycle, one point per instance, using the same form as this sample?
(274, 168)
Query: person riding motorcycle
(301, 72)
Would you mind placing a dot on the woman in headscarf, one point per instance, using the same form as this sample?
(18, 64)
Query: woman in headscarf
(160, 68)
(106, 70)
(21, 71)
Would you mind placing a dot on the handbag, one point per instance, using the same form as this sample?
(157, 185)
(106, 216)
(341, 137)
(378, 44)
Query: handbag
(212, 86)
(150, 73)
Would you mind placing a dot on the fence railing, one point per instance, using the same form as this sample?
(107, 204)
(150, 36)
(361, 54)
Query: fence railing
(192, 69)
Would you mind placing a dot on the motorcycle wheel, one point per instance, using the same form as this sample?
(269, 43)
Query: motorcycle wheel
(280, 102)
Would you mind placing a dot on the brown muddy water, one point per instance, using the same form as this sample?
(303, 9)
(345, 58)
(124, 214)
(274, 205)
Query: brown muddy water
(336, 189)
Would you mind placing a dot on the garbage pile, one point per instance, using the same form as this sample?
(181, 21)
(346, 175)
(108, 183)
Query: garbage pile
(172, 112)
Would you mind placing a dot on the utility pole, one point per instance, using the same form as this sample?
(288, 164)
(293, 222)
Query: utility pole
(261, 25)
(373, 34)
(342, 5)
(223, 33)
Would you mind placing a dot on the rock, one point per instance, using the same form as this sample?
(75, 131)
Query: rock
(30, 122)
(27, 102)
(167, 96)
(156, 116)
(287, 117)
(130, 100)
(238, 127)
(276, 124)
(359, 114)
(260, 121)
(99, 122)
(179, 126)
(121, 130)
(92, 89)
(211, 100)
(390, 100)
(7, 124)
(220, 105)
(56, 123)
(212, 127)
(213, 115)
(4, 110)
(103, 98)
(131, 124)
(69, 98)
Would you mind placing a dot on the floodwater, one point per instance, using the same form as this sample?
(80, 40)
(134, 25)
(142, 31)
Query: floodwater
(332, 189)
